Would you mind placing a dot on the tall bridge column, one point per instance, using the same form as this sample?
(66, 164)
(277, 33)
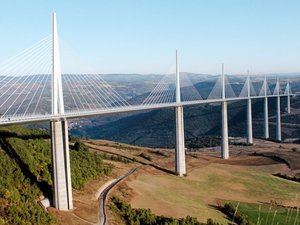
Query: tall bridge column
(61, 174)
(224, 120)
(249, 122)
(180, 167)
(288, 103)
(266, 118)
(278, 119)
(224, 146)
(249, 112)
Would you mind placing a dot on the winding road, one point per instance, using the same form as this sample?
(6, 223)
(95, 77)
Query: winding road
(102, 214)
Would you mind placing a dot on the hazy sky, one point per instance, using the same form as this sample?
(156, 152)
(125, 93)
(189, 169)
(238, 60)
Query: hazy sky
(139, 36)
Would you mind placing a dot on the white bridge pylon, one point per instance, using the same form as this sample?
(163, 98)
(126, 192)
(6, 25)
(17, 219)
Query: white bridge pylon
(33, 88)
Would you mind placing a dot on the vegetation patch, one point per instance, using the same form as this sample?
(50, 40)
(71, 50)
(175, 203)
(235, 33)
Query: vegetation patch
(285, 176)
(265, 213)
(18, 196)
(234, 215)
(119, 146)
(116, 158)
(203, 142)
(146, 217)
(273, 156)
(86, 165)
(145, 156)
(25, 173)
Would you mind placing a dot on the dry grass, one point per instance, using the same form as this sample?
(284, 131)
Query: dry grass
(210, 181)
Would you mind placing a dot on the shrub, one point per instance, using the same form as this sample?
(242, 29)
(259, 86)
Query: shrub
(79, 146)
(146, 217)
(145, 156)
(236, 216)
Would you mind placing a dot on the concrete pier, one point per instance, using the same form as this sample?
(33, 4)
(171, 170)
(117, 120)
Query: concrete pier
(61, 174)
(180, 166)
(224, 120)
(288, 104)
(266, 118)
(224, 146)
(278, 119)
(249, 122)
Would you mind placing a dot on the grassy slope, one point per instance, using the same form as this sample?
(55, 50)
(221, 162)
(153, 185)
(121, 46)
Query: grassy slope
(210, 185)
(266, 214)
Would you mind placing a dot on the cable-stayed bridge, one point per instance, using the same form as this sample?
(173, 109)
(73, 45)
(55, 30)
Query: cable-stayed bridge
(26, 90)
(34, 88)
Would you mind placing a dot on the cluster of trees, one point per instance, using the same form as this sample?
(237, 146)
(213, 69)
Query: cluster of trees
(235, 216)
(203, 142)
(285, 176)
(86, 165)
(146, 217)
(25, 173)
(18, 196)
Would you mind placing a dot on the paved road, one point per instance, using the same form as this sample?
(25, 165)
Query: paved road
(102, 215)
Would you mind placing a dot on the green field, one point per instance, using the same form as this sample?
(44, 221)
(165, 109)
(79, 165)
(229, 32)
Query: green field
(267, 214)
(209, 186)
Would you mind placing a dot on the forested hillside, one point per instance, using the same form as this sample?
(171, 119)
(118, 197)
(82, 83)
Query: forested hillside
(25, 173)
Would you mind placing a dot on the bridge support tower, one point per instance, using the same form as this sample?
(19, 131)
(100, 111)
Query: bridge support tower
(62, 187)
(180, 167)
(61, 174)
(249, 122)
(224, 121)
(278, 119)
(278, 113)
(224, 145)
(288, 104)
(266, 118)
(249, 114)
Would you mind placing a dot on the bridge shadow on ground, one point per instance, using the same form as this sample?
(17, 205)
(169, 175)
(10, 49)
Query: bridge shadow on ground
(9, 134)
(165, 170)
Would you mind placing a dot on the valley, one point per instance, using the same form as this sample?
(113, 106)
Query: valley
(245, 178)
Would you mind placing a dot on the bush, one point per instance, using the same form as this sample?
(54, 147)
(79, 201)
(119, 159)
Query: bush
(79, 146)
(146, 217)
(203, 142)
(211, 222)
(234, 215)
(145, 156)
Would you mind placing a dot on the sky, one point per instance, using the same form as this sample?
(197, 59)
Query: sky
(139, 36)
